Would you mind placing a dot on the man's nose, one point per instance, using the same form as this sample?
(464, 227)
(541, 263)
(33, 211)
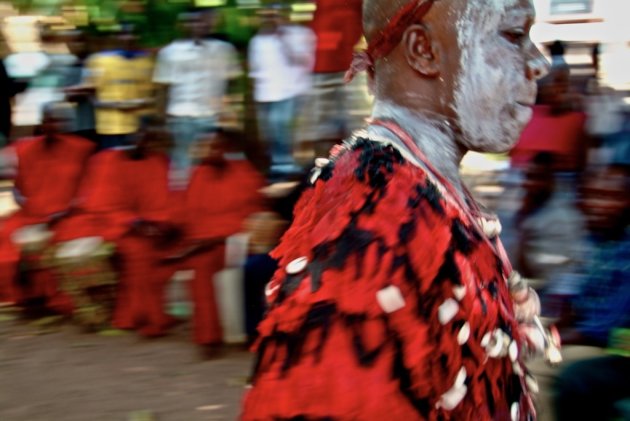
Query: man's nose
(537, 65)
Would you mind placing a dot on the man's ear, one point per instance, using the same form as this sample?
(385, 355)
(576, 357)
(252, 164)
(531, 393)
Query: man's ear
(421, 54)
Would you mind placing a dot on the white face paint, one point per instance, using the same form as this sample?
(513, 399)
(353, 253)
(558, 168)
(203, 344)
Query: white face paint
(493, 95)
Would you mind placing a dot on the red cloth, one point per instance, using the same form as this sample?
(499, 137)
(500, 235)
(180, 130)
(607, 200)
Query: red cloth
(47, 178)
(338, 27)
(215, 205)
(117, 191)
(561, 134)
(219, 199)
(328, 350)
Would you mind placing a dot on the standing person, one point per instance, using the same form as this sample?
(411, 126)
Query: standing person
(393, 298)
(195, 73)
(337, 26)
(121, 82)
(75, 91)
(47, 170)
(280, 63)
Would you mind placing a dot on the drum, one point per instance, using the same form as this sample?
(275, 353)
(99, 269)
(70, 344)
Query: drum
(85, 271)
(32, 240)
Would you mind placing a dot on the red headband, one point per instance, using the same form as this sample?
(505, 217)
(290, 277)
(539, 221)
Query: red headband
(388, 38)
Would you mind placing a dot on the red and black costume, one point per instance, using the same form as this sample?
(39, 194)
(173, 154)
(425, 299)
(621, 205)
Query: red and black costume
(383, 304)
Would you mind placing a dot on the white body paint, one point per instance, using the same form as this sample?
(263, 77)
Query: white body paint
(493, 95)
(427, 131)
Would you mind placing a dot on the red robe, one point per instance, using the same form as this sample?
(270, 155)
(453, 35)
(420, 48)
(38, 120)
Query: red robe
(353, 330)
(117, 191)
(338, 27)
(47, 179)
(561, 134)
(215, 205)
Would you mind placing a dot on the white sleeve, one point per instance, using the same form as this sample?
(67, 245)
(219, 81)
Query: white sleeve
(232, 64)
(253, 55)
(163, 72)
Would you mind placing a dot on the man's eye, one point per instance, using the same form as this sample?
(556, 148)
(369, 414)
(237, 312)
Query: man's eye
(514, 36)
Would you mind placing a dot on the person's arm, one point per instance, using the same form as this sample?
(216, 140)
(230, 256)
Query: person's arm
(162, 79)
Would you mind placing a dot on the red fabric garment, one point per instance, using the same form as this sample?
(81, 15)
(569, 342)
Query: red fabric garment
(117, 191)
(329, 350)
(214, 206)
(561, 134)
(206, 321)
(219, 199)
(47, 178)
(338, 27)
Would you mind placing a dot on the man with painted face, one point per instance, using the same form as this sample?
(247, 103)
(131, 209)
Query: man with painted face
(394, 298)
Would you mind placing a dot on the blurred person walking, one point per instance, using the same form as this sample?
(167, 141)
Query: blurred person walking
(281, 59)
(123, 92)
(47, 171)
(194, 72)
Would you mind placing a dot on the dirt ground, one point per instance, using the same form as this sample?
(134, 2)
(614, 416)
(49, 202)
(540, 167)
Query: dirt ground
(59, 373)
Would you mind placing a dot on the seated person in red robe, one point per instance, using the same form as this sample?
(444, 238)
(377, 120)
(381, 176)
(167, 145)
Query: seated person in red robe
(124, 200)
(222, 193)
(47, 171)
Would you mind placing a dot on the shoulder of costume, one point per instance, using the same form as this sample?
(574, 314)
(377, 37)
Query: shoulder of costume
(363, 183)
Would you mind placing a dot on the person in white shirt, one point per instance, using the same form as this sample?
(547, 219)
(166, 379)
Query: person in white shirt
(196, 73)
(281, 60)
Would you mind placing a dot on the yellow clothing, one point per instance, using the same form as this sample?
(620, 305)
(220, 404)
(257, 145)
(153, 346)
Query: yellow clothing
(119, 78)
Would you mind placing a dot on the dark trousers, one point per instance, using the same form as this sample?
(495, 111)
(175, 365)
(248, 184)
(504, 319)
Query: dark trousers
(589, 389)
(259, 270)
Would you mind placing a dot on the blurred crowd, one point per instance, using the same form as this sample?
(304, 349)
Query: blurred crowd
(143, 200)
(141, 189)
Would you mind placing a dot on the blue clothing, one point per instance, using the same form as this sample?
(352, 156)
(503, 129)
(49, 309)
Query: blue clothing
(275, 120)
(604, 299)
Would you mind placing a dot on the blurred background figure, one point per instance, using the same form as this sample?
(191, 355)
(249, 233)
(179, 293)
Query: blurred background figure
(556, 51)
(557, 125)
(124, 202)
(123, 92)
(221, 194)
(549, 225)
(75, 91)
(48, 170)
(280, 63)
(592, 388)
(8, 89)
(194, 73)
(327, 117)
